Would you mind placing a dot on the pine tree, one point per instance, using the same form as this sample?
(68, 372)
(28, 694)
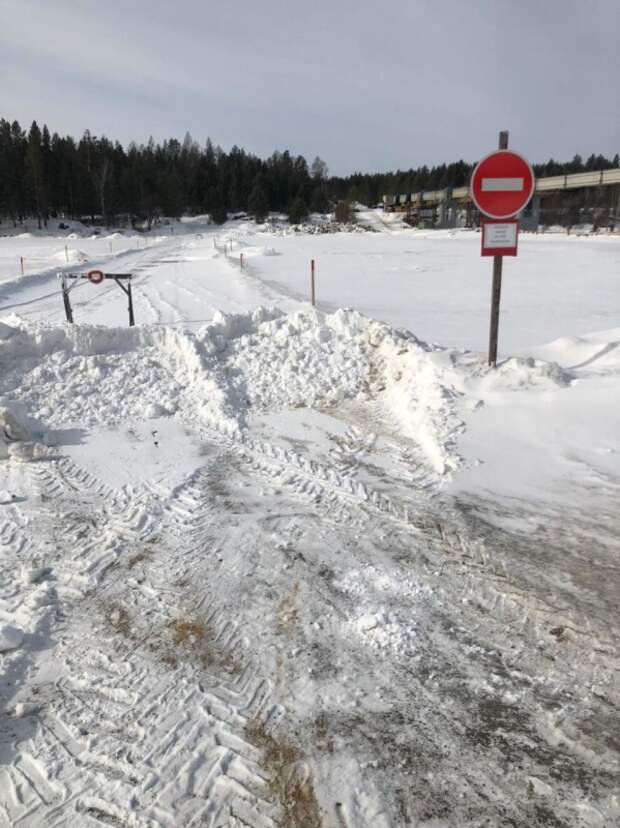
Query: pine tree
(298, 210)
(34, 171)
(258, 203)
(319, 202)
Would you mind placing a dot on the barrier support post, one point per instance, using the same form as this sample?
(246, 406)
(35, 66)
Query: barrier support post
(66, 300)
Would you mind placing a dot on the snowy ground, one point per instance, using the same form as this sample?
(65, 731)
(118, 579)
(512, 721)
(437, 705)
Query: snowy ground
(292, 567)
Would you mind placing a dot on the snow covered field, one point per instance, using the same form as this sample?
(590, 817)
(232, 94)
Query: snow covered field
(270, 565)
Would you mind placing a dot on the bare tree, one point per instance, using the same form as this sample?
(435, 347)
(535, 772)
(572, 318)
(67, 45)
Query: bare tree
(319, 169)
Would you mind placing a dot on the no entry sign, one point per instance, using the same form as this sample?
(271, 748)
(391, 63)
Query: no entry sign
(96, 276)
(502, 184)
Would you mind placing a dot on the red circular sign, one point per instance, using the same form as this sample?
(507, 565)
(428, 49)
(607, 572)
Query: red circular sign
(502, 184)
(96, 276)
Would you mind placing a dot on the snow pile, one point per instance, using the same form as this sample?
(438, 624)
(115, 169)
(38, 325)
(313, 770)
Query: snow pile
(384, 630)
(279, 361)
(71, 255)
(82, 376)
(316, 228)
(21, 437)
(419, 394)
(12, 428)
(518, 373)
(379, 619)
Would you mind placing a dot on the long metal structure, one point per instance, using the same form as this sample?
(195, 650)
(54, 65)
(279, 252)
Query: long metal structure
(572, 181)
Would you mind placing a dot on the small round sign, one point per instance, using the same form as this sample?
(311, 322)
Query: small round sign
(96, 276)
(502, 184)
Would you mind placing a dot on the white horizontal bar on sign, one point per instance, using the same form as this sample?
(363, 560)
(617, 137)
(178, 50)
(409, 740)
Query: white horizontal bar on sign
(495, 185)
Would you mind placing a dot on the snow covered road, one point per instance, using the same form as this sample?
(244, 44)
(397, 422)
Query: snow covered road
(250, 577)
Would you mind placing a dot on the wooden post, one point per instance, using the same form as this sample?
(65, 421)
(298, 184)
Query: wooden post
(65, 299)
(110, 247)
(241, 260)
(132, 320)
(21, 259)
(312, 292)
(496, 290)
(66, 253)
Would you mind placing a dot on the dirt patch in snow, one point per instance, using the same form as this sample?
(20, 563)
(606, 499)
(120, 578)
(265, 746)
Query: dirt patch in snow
(290, 781)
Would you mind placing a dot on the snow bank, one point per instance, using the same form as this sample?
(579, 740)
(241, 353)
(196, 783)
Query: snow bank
(598, 352)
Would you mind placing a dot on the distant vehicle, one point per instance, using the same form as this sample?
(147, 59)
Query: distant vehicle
(63, 226)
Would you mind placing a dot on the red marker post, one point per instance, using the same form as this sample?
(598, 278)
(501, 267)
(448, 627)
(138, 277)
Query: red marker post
(501, 186)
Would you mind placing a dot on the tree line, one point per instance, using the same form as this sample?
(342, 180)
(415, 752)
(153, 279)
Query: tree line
(45, 176)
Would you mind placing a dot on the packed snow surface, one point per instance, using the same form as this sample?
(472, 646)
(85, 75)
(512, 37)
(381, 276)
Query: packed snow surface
(265, 564)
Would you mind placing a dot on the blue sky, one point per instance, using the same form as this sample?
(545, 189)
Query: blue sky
(367, 86)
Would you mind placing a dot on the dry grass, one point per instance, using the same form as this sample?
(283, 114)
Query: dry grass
(144, 553)
(118, 618)
(287, 611)
(192, 639)
(289, 783)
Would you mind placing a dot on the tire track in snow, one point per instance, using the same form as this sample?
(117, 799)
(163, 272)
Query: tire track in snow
(150, 761)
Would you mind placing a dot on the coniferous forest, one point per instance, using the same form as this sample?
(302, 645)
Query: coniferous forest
(45, 176)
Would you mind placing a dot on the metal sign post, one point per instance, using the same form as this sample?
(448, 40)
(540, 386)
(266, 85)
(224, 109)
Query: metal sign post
(501, 186)
(496, 290)
(96, 277)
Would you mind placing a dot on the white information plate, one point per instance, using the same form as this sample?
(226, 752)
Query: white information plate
(500, 234)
